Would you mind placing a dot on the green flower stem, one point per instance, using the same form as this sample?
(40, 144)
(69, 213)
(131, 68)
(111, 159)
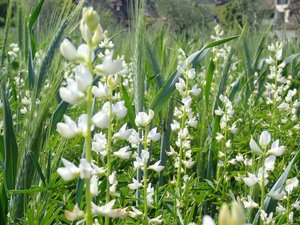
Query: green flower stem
(288, 208)
(109, 156)
(88, 196)
(145, 179)
(262, 204)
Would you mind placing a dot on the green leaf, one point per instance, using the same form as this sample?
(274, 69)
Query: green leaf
(58, 115)
(168, 88)
(31, 21)
(37, 166)
(3, 205)
(129, 106)
(10, 145)
(210, 74)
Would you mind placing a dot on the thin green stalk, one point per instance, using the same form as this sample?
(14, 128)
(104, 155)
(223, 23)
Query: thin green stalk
(262, 204)
(109, 158)
(288, 208)
(145, 180)
(88, 196)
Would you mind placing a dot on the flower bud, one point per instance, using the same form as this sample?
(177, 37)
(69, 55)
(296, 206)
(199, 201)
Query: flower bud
(68, 50)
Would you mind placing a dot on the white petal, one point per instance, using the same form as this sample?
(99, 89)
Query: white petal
(68, 50)
(207, 220)
(254, 147)
(264, 139)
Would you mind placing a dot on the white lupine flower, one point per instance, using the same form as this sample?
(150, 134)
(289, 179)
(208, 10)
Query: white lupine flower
(85, 169)
(171, 152)
(277, 194)
(276, 149)
(195, 91)
(192, 122)
(175, 125)
(280, 209)
(75, 214)
(99, 144)
(153, 135)
(134, 138)
(119, 109)
(156, 220)
(191, 73)
(71, 93)
(135, 213)
(254, 147)
(207, 220)
(296, 204)
(107, 210)
(123, 133)
(68, 129)
(97, 170)
(68, 50)
(138, 163)
(83, 77)
(102, 91)
(188, 163)
(187, 102)
(156, 167)
(219, 137)
(150, 193)
(265, 217)
(264, 139)
(110, 66)
(113, 182)
(142, 119)
(250, 203)
(101, 119)
(123, 153)
(69, 171)
(94, 185)
(291, 184)
(180, 85)
(219, 112)
(135, 184)
(269, 163)
(250, 180)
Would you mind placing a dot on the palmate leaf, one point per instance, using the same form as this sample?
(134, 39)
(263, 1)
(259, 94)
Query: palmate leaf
(168, 88)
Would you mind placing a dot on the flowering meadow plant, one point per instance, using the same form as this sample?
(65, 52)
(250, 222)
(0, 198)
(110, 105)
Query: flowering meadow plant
(95, 130)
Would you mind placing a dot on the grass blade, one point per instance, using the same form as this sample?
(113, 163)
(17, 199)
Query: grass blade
(10, 145)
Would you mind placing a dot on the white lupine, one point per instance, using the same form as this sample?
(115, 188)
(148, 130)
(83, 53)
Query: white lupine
(134, 138)
(191, 73)
(99, 144)
(110, 66)
(156, 220)
(71, 92)
(85, 169)
(75, 214)
(101, 119)
(207, 220)
(254, 147)
(250, 180)
(68, 50)
(153, 135)
(195, 91)
(119, 109)
(150, 194)
(291, 184)
(296, 204)
(101, 91)
(188, 163)
(156, 167)
(277, 194)
(83, 77)
(249, 203)
(135, 213)
(123, 133)
(143, 119)
(123, 153)
(113, 182)
(135, 184)
(175, 125)
(68, 129)
(180, 85)
(69, 171)
(270, 163)
(94, 185)
(276, 149)
(107, 210)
